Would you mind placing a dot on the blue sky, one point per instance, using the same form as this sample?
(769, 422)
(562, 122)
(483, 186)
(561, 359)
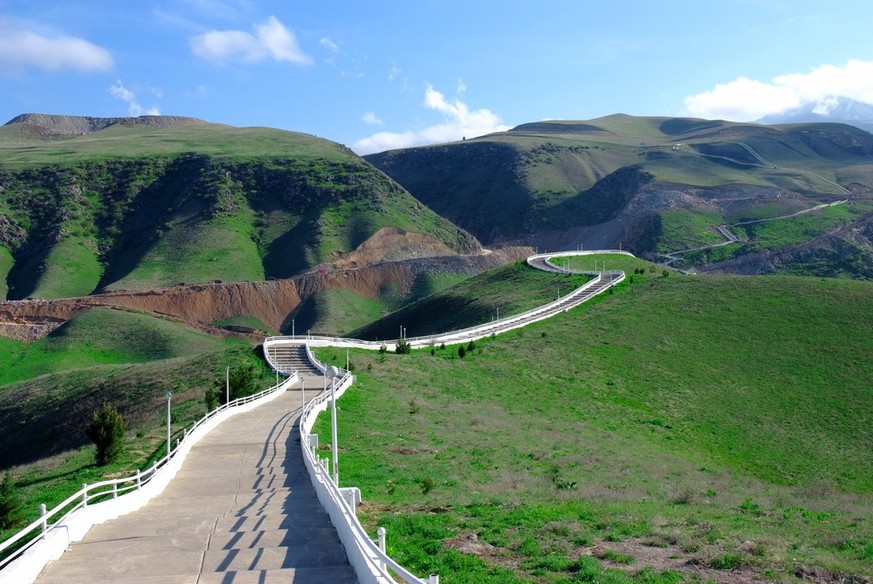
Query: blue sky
(379, 75)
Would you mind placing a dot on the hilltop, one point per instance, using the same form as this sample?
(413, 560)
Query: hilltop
(95, 205)
(658, 185)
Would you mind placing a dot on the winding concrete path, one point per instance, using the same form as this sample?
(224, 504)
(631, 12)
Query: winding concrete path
(241, 509)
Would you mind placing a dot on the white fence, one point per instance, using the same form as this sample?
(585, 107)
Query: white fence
(69, 521)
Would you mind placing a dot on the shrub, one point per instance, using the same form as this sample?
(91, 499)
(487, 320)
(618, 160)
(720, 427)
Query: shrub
(471, 346)
(403, 347)
(107, 430)
(462, 351)
(427, 485)
(383, 348)
(210, 398)
(10, 502)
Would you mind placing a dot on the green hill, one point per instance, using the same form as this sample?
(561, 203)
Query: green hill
(721, 422)
(623, 179)
(138, 206)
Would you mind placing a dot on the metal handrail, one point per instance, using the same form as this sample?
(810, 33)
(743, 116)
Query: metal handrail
(86, 494)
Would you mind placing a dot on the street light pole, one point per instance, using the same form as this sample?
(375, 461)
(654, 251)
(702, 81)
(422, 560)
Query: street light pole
(332, 373)
(227, 386)
(292, 328)
(169, 400)
(303, 392)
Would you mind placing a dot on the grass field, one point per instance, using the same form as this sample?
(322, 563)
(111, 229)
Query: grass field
(723, 421)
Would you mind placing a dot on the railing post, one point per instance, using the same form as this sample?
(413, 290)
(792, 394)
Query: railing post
(42, 512)
(114, 490)
(434, 579)
(84, 494)
(138, 479)
(381, 534)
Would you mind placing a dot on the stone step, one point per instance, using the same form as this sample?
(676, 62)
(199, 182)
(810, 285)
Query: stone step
(270, 538)
(304, 517)
(246, 559)
(307, 574)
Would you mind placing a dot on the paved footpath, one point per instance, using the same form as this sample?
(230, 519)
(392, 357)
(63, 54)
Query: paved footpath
(241, 510)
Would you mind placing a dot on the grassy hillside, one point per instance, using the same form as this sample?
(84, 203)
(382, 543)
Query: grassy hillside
(696, 424)
(133, 207)
(552, 183)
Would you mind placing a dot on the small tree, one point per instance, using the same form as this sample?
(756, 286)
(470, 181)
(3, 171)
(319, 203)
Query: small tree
(403, 347)
(462, 351)
(471, 346)
(242, 383)
(210, 398)
(10, 502)
(107, 430)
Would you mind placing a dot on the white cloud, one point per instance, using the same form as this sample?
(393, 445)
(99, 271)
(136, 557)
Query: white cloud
(459, 122)
(371, 118)
(134, 108)
(20, 48)
(746, 99)
(271, 40)
(329, 45)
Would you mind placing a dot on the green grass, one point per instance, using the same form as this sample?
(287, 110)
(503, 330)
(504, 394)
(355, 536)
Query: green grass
(510, 290)
(196, 253)
(691, 413)
(684, 229)
(71, 269)
(795, 230)
(6, 263)
(100, 337)
(251, 322)
(143, 142)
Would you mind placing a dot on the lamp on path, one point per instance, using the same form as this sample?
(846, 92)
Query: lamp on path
(331, 373)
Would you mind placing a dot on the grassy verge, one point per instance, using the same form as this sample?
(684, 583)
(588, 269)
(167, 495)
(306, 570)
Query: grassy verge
(719, 422)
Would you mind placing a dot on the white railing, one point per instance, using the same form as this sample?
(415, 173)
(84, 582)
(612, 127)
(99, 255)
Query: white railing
(370, 562)
(95, 503)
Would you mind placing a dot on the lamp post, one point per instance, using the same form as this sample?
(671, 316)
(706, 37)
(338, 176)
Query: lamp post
(227, 385)
(169, 401)
(303, 392)
(292, 328)
(331, 372)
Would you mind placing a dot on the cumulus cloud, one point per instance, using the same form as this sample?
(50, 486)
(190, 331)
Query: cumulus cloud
(21, 48)
(134, 108)
(270, 40)
(371, 118)
(746, 99)
(459, 121)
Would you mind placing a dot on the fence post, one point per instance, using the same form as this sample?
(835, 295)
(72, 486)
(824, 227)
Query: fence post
(42, 512)
(381, 534)
(84, 494)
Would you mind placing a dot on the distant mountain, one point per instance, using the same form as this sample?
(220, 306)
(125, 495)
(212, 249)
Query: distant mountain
(841, 110)
(650, 185)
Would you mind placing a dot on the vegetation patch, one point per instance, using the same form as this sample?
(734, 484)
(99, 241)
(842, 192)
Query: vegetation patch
(695, 413)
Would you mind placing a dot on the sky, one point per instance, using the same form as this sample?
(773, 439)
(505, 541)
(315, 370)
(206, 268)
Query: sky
(377, 75)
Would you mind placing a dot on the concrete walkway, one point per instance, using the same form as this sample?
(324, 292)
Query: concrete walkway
(241, 510)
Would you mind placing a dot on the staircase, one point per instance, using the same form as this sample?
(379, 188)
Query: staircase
(242, 509)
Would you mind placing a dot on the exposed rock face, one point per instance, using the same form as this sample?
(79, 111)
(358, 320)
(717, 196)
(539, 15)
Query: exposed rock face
(77, 125)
